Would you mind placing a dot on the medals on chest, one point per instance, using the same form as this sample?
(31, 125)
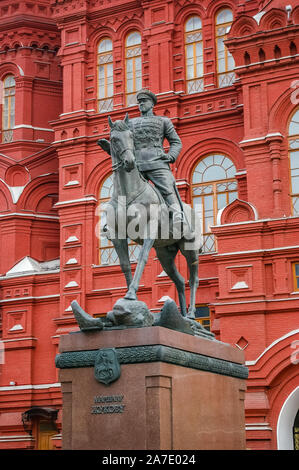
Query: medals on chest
(147, 130)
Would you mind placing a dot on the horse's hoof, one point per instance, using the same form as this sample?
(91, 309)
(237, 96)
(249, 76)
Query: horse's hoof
(191, 315)
(130, 296)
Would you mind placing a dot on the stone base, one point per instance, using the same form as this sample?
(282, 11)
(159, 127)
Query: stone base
(175, 392)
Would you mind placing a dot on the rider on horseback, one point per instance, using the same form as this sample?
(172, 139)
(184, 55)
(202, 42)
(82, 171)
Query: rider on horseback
(149, 132)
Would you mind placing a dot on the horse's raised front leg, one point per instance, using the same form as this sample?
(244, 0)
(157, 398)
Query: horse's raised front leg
(166, 257)
(142, 259)
(121, 248)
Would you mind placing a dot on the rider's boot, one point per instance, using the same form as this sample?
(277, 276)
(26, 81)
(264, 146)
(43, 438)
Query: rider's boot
(177, 215)
(178, 219)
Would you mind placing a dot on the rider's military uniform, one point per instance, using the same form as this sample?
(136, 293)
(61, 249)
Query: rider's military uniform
(149, 133)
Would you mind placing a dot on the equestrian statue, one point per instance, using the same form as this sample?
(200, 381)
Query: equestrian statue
(136, 149)
(146, 207)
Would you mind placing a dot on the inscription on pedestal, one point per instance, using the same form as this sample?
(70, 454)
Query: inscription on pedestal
(108, 404)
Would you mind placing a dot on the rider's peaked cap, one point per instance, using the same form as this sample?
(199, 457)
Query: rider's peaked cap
(144, 93)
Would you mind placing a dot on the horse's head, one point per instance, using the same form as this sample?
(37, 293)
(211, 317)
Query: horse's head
(122, 145)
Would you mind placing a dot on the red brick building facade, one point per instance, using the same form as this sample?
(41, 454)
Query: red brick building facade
(226, 73)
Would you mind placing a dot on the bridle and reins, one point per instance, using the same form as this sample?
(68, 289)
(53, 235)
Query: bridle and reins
(120, 162)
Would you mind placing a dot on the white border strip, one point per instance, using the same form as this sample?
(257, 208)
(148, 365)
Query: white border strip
(264, 250)
(257, 427)
(71, 201)
(27, 126)
(268, 61)
(291, 333)
(285, 421)
(16, 438)
(29, 387)
(53, 296)
(26, 214)
(19, 339)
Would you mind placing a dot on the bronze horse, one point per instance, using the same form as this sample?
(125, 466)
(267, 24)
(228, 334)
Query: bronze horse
(136, 203)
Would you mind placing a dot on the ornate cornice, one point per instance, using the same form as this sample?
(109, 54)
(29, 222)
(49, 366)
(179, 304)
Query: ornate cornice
(156, 353)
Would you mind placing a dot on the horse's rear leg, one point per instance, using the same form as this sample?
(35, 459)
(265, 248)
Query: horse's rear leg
(166, 257)
(121, 248)
(193, 281)
(192, 261)
(142, 259)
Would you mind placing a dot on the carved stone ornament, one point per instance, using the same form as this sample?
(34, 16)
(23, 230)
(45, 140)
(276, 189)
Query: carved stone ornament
(153, 353)
(106, 366)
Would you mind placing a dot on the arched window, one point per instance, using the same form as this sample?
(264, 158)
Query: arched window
(133, 66)
(294, 160)
(105, 75)
(194, 55)
(108, 255)
(213, 187)
(8, 110)
(225, 61)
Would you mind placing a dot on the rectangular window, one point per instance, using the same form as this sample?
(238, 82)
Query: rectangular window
(296, 276)
(8, 108)
(194, 55)
(225, 61)
(133, 67)
(105, 76)
(202, 315)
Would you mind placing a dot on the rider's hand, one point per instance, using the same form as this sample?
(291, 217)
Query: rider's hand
(105, 145)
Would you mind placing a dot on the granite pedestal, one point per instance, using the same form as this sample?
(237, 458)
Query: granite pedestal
(175, 392)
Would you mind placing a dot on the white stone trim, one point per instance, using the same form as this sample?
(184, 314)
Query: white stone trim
(254, 301)
(71, 138)
(30, 297)
(112, 288)
(71, 284)
(278, 340)
(16, 192)
(18, 339)
(26, 214)
(72, 261)
(268, 61)
(72, 183)
(284, 429)
(257, 427)
(29, 387)
(258, 220)
(71, 239)
(32, 273)
(257, 139)
(72, 112)
(258, 16)
(27, 126)
(74, 201)
(20, 69)
(16, 438)
(263, 250)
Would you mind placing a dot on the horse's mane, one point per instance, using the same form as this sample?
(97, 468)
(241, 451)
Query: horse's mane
(120, 126)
